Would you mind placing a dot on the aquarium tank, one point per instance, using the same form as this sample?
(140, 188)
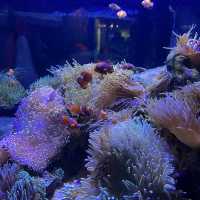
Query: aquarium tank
(100, 100)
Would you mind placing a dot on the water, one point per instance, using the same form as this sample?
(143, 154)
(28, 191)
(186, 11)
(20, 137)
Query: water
(106, 92)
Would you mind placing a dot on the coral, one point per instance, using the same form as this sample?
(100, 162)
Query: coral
(11, 91)
(26, 188)
(128, 159)
(178, 113)
(39, 133)
(8, 174)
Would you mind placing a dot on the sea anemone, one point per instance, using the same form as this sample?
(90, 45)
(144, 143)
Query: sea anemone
(117, 85)
(154, 80)
(11, 92)
(45, 81)
(188, 47)
(178, 114)
(128, 159)
(38, 133)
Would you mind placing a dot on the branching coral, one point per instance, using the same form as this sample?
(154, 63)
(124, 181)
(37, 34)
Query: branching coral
(39, 131)
(11, 92)
(128, 159)
(178, 112)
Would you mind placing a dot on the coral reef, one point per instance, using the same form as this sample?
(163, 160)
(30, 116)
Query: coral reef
(104, 113)
(128, 159)
(11, 91)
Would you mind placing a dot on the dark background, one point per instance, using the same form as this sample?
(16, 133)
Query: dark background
(150, 32)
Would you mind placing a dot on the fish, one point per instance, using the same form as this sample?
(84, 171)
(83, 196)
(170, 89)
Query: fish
(119, 11)
(70, 122)
(74, 109)
(103, 115)
(104, 67)
(11, 72)
(121, 14)
(147, 4)
(84, 78)
(114, 6)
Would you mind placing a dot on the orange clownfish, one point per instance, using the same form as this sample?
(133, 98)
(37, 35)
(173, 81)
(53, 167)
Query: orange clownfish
(74, 109)
(103, 115)
(72, 123)
(84, 79)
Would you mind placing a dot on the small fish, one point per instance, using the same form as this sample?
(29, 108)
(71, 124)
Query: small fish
(104, 67)
(74, 109)
(121, 14)
(147, 4)
(103, 115)
(70, 122)
(84, 79)
(11, 72)
(114, 6)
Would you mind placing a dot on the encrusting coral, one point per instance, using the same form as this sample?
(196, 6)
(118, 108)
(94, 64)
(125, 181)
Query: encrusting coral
(11, 91)
(128, 160)
(178, 112)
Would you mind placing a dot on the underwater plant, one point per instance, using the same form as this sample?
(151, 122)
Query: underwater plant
(39, 132)
(11, 91)
(130, 161)
(178, 112)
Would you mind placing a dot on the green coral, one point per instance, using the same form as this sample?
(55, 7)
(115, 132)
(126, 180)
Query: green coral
(11, 91)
